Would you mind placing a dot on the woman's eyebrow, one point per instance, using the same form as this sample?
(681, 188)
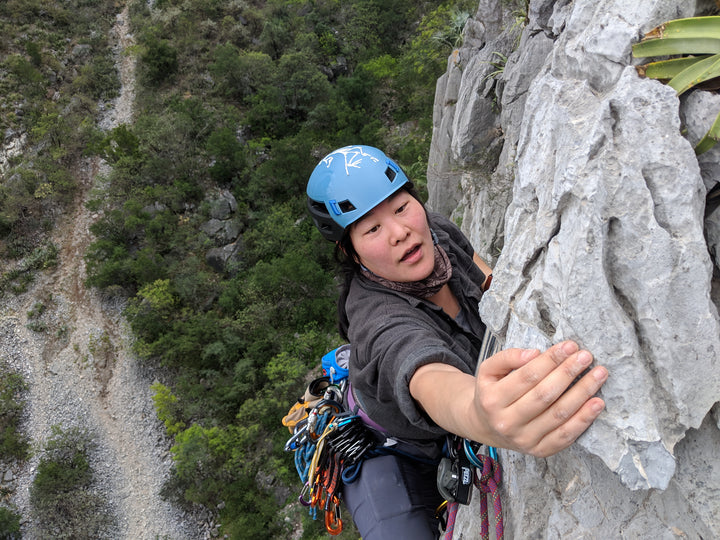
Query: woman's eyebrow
(364, 217)
(393, 196)
(370, 213)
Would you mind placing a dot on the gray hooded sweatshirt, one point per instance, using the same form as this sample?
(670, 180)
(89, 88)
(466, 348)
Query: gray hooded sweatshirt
(393, 334)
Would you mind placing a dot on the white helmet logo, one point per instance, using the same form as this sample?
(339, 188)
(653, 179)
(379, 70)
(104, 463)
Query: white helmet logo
(353, 157)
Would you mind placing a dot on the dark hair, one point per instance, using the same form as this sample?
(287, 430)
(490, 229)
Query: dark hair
(347, 258)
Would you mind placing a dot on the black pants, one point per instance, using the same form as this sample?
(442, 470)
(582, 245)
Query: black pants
(394, 498)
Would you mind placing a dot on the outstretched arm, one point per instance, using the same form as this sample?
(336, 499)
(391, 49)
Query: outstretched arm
(520, 399)
(485, 269)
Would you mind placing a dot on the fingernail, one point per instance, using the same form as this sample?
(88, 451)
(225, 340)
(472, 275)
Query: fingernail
(584, 358)
(569, 347)
(600, 374)
(529, 354)
(597, 406)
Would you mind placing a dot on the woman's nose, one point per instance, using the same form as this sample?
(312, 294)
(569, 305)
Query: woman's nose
(397, 232)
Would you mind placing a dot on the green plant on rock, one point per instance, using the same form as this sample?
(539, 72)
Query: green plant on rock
(9, 524)
(452, 34)
(694, 45)
(13, 444)
(498, 65)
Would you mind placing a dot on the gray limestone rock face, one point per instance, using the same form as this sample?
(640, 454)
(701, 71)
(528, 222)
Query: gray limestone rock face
(585, 176)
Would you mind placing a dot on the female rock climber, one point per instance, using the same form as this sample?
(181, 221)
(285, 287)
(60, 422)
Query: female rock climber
(409, 307)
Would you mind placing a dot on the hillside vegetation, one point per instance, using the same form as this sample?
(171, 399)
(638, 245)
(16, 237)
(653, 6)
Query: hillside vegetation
(233, 97)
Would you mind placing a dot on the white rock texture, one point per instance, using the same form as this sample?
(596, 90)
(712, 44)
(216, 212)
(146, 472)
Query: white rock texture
(577, 179)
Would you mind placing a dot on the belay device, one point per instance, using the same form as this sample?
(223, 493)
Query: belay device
(464, 466)
(455, 477)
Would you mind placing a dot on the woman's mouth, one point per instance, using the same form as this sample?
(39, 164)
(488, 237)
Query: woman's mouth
(411, 253)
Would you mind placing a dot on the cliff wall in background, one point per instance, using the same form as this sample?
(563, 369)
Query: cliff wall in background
(577, 179)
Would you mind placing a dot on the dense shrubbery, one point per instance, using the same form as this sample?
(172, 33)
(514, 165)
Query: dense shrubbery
(62, 499)
(55, 66)
(245, 97)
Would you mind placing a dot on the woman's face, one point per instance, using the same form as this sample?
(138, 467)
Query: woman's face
(393, 240)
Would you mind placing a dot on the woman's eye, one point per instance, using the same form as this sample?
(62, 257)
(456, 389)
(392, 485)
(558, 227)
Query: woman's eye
(372, 229)
(401, 208)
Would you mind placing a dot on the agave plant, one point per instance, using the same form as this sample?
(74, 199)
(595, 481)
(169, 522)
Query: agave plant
(453, 34)
(694, 44)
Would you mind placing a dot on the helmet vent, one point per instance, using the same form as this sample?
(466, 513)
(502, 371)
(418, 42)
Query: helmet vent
(390, 173)
(318, 207)
(346, 206)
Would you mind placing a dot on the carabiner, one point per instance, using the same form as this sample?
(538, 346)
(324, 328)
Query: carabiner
(297, 439)
(301, 498)
(333, 522)
(440, 514)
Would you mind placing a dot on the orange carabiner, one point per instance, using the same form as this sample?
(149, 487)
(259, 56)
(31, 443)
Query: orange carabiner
(333, 522)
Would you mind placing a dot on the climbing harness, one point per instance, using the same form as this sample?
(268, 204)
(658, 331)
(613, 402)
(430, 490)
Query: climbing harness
(331, 440)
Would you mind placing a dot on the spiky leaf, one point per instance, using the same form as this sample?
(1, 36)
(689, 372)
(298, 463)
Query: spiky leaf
(692, 27)
(678, 45)
(667, 69)
(710, 138)
(699, 72)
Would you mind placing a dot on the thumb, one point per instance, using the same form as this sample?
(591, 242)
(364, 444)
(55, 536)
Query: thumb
(501, 363)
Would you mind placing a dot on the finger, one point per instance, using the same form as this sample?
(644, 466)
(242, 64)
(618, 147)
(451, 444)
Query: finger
(554, 384)
(520, 382)
(505, 361)
(568, 432)
(574, 411)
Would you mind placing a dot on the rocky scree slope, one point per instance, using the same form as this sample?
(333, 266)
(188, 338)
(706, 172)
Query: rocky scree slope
(81, 372)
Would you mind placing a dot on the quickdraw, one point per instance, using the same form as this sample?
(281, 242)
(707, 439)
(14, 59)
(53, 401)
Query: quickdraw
(329, 448)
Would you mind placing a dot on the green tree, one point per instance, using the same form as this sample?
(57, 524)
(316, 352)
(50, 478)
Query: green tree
(160, 60)
(227, 154)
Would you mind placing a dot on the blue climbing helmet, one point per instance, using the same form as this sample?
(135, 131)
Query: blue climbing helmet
(347, 184)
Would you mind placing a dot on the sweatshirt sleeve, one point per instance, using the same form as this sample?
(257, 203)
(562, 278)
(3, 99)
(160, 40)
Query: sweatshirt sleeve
(389, 344)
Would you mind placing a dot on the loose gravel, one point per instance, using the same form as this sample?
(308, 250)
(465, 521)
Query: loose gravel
(76, 358)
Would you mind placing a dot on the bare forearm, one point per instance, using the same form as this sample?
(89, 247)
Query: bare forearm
(446, 394)
(485, 269)
(521, 399)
